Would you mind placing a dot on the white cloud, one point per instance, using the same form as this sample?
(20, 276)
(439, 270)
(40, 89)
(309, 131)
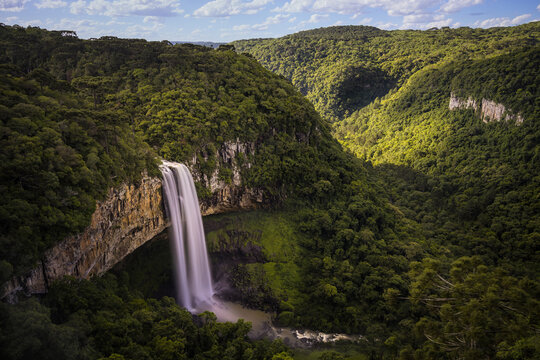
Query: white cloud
(221, 8)
(425, 21)
(148, 19)
(84, 28)
(77, 7)
(241, 27)
(272, 20)
(455, 5)
(366, 20)
(392, 7)
(387, 26)
(502, 21)
(293, 19)
(15, 20)
(127, 7)
(337, 23)
(341, 6)
(12, 5)
(315, 18)
(51, 4)
(141, 31)
(538, 8)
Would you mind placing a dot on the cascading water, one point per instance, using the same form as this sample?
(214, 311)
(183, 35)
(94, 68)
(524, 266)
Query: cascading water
(192, 269)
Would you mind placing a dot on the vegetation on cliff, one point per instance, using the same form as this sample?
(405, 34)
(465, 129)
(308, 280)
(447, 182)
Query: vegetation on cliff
(83, 111)
(184, 101)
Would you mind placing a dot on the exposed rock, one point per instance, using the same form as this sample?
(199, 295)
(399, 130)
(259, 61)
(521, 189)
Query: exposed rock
(130, 216)
(457, 103)
(490, 111)
(232, 198)
(229, 194)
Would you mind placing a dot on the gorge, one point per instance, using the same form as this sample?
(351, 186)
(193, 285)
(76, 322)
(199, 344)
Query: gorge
(391, 212)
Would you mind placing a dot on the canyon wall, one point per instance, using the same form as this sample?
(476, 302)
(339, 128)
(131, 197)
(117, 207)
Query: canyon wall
(228, 194)
(131, 215)
(490, 111)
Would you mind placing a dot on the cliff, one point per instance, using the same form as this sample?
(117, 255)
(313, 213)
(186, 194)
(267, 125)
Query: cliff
(129, 216)
(228, 194)
(490, 111)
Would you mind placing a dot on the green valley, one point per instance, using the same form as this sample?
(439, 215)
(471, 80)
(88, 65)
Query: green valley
(398, 200)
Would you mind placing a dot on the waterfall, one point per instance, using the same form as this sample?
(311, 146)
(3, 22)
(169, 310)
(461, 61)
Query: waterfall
(192, 270)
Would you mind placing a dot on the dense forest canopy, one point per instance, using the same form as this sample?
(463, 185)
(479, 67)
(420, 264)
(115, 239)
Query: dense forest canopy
(81, 116)
(343, 68)
(422, 237)
(468, 181)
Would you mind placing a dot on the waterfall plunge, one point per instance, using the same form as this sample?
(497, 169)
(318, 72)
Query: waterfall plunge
(192, 269)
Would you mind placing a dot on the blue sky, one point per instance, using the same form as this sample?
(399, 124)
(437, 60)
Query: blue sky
(227, 20)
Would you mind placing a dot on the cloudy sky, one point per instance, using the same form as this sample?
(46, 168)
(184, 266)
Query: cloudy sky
(227, 20)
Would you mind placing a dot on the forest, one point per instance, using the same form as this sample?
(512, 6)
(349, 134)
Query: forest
(388, 214)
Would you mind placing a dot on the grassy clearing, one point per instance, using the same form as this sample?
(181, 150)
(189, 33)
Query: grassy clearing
(274, 232)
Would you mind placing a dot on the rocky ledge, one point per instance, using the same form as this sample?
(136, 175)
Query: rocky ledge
(228, 195)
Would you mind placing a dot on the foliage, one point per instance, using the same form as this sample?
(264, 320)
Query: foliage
(102, 318)
(57, 157)
(343, 68)
(430, 253)
(83, 111)
(458, 187)
(473, 309)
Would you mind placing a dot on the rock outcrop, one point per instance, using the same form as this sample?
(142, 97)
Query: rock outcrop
(228, 194)
(130, 216)
(490, 111)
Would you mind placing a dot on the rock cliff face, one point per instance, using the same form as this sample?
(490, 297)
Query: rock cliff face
(230, 194)
(130, 216)
(490, 111)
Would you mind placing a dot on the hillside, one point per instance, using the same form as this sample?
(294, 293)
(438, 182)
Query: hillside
(80, 116)
(449, 119)
(82, 113)
(423, 243)
(483, 169)
(343, 68)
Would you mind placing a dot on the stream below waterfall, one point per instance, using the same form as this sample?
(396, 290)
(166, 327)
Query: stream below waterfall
(262, 327)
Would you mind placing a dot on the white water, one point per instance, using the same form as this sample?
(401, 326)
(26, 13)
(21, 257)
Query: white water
(192, 270)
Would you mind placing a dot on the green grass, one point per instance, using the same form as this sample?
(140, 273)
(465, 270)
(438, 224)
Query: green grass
(277, 235)
(274, 232)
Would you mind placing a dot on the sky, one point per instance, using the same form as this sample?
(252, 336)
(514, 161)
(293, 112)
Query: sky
(228, 20)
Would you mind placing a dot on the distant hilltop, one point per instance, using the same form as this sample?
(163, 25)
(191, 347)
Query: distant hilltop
(210, 44)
